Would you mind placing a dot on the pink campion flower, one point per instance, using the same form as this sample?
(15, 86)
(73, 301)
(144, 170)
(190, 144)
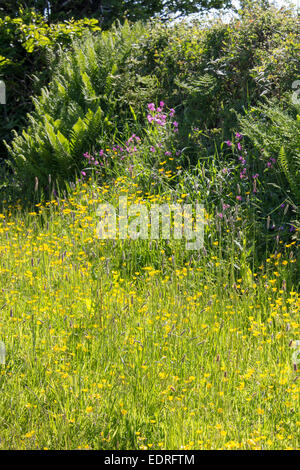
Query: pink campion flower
(83, 173)
(172, 112)
(239, 198)
(161, 104)
(220, 215)
(243, 173)
(96, 162)
(225, 206)
(239, 146)
(101, 153)
(150, 118)
(175, 124)
(151, 106)
(229, 143)
(152, 149)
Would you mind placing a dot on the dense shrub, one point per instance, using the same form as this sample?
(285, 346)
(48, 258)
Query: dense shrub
(27, 42)
(78, 109)
(206, 73)
(274, 132)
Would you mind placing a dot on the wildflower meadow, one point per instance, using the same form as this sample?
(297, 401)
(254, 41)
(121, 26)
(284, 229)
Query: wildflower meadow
(149, 235)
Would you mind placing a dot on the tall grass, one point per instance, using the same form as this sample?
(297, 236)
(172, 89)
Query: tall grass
(115, 344)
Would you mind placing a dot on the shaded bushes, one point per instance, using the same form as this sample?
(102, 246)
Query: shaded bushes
(28, 52)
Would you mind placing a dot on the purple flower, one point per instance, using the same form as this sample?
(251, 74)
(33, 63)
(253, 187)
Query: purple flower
(83, 173)
(150, 118)
(243, 173)
(152, 149)
(175, 124)
(151, 106)
(239, 198)
(161, 104)
(172, 112)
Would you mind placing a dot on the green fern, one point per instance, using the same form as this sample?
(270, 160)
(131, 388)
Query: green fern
(74, 114)
(276, 130)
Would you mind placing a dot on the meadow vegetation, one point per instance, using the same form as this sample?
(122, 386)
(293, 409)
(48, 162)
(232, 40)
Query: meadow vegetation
(143, 344)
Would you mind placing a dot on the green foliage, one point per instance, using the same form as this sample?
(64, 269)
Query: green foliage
(110, 11)
(274, 131)
(78, 109)
(207, 73)
(26, 44)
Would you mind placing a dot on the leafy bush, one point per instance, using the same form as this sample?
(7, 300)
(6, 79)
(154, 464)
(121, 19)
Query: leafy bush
(207, 74)
(274, 132)
(26, 45)
(74, 114)
(209, 71)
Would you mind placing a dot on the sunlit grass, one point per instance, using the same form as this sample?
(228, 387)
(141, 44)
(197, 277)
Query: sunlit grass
(141, 344)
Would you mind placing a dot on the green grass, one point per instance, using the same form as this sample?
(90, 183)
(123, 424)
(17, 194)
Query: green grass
(140, 344)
